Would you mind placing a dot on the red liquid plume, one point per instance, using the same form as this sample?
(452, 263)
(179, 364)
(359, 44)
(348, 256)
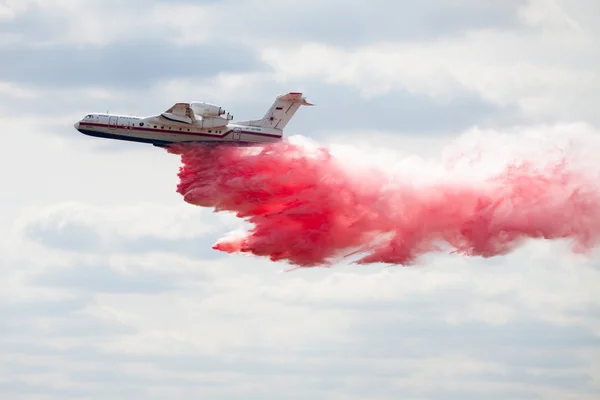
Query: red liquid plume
(310, 210)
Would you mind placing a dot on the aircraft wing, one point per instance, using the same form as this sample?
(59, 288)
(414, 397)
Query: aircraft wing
(180, 112)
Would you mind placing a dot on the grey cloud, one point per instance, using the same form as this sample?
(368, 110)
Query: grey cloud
(17, 318)
(43, 24)
(588, 311)
(195, 247)
(80, 237)
(343, 108)
(456, 297)
(31, 26)
(351, 23)
(144, 4)
(337, 22)
(517, 346)
(69, 235)
(33, 345)
(579, 381)
(332, 366)
(14, 389)
(87, 327)
(412, 328)
(71, 326)
(550, 350)
(22, 367)
(378, 354)
(36, 308)
(122, 65)
(337, 108)
(96, 278)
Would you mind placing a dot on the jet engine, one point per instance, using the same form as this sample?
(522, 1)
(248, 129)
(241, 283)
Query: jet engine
(206, 109)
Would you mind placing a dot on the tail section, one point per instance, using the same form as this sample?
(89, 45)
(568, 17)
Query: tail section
(281, 111)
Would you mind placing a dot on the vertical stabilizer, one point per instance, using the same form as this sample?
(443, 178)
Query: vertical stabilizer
(280, 112)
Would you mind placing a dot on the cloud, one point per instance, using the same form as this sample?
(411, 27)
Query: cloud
(67, 21)
(342, 109)
(320, 332)
(386, 81)
(503, 67)
(55, 22)
(129, 65)
(320, 348)
(142, 229)
(102, 278)
(329, 21)
(452, 73)
(109, 285)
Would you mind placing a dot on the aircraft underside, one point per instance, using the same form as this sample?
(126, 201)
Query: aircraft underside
(163, 142)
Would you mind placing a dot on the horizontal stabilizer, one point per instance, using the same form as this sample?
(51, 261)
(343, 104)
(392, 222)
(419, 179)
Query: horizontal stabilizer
(295, 97)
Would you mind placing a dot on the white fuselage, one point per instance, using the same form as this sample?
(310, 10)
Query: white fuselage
(162, 131)
(195, 121)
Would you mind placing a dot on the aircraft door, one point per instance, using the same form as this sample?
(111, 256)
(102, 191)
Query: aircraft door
(112, 122)
(237, 132)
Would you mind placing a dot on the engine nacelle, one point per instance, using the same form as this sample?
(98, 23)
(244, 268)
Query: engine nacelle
(204, 109)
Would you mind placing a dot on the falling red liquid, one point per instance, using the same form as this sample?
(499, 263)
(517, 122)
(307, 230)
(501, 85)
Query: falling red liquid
(310, 210)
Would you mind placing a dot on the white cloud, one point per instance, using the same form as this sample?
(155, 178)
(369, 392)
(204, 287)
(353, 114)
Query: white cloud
(9, 9)
(233, 90)
(132, 221)
(238, 307)
(245, 324)
(10, 90)
(82, 314)
(236, 92)
(190, 23)
(546, 71)
(550, 14)
(90, 22)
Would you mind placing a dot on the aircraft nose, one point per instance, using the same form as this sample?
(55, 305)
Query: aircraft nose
(76, 125)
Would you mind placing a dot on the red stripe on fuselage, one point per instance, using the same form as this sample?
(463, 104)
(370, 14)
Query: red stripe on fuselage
(177, 132)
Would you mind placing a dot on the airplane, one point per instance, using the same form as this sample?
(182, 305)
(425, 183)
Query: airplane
(195, 122)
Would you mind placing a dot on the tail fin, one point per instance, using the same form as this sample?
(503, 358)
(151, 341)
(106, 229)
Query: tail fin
(281, 111)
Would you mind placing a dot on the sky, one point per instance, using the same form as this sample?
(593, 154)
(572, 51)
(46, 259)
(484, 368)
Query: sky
(110, 287)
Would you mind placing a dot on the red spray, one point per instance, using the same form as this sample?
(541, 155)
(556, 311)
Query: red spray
(309, 209)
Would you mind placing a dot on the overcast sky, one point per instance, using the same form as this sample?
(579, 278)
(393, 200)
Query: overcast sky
(110, 287)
